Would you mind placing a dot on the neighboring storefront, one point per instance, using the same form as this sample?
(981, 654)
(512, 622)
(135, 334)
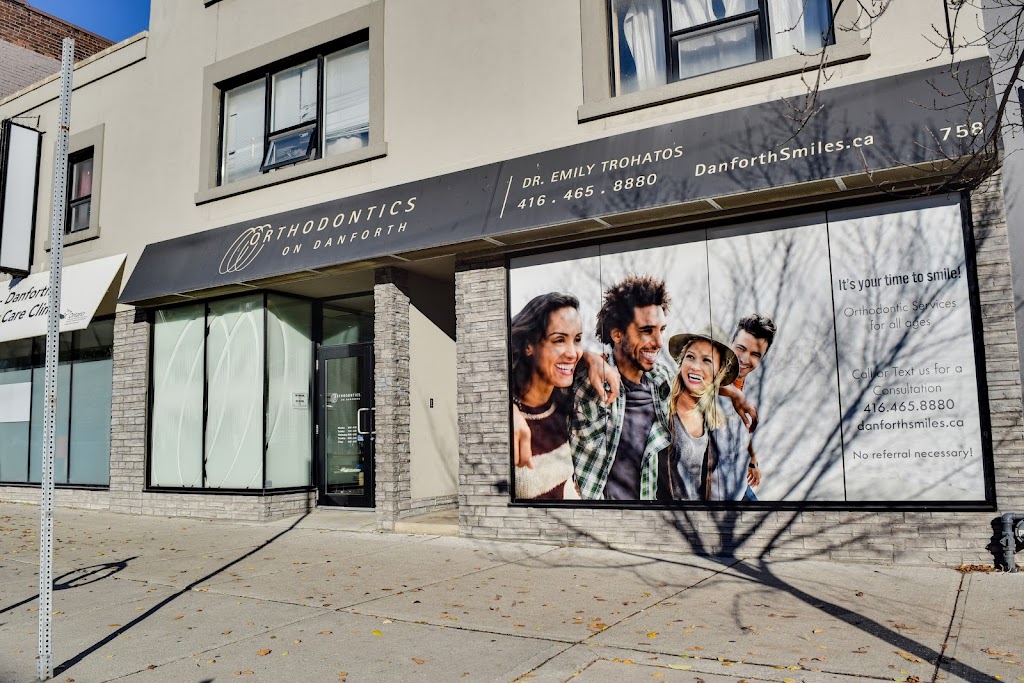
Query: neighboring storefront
(84, 376)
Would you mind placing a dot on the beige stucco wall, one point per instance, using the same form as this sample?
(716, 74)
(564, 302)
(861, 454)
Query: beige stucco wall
(433, 432)
(467, 82)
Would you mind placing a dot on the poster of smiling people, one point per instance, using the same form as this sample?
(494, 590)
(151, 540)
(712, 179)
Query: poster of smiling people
(824, 358)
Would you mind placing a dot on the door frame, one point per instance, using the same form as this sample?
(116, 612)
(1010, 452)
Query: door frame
(363, 351)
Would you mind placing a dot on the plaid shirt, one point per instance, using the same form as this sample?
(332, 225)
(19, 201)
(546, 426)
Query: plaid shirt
(595, 429)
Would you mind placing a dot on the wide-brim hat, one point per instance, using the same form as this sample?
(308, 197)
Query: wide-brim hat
(714, 335)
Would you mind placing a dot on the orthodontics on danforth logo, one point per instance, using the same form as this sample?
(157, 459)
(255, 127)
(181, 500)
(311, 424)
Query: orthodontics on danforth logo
(243, 250)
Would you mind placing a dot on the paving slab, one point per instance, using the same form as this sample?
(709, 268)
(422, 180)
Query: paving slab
(616, 671)
(330, 519)
(563, 594)
(336, 646)
(987, 639)
(842, 619)
(124, 637)
(350, 580)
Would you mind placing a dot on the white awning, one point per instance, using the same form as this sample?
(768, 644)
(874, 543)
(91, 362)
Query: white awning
(23, 303)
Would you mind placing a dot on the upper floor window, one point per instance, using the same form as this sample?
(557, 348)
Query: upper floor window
(655, 42)
(310, 108)
(79, 210)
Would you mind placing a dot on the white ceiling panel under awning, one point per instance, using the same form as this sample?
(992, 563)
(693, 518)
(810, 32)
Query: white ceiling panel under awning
(23, 302)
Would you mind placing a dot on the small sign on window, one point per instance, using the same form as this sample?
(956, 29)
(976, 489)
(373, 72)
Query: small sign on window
(300, 399)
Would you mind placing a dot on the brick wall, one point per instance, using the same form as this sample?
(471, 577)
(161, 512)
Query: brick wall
(393, 452)
(947, 538)
(42, 33)
(128, 411)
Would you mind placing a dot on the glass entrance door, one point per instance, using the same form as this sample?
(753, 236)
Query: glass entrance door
(346, 427)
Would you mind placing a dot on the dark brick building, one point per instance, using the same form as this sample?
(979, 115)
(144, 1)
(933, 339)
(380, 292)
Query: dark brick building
(30, 44)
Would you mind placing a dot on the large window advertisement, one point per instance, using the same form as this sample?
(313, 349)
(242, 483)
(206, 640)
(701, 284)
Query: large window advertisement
(824, 359)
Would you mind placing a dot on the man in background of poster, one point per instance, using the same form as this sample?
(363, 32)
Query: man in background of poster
(615, 446)
(753, 337)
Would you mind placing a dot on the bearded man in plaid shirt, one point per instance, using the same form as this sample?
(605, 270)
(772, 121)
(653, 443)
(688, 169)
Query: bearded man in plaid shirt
(615, 446)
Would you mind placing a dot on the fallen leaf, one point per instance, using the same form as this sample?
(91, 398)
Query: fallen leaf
(652, 634)
(296, 641)
(818, 630)
(909, 657)
(263, 653)
(418, 660)
(114, 625)
(1000, 653)
(326, 633)
(180, 616)
(225, 632)
(859, 594)
(680, 667)
(247, 672)
(375, 632)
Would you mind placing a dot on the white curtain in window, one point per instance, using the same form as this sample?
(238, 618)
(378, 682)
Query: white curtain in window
(798, 25)
(243, 131)
(690, 13)
(294, 96)
(643, 29)
(724, 49)
(347, 99)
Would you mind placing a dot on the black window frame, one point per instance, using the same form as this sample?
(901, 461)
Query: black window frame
(266, 73)
(86, 154)
(762, 36)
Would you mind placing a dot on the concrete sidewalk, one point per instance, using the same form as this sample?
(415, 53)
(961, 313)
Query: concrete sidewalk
(322, 598)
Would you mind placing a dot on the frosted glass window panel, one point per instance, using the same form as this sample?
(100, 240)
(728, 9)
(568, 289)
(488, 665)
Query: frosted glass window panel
(691, 13)
(717, 50)
(243, 131)
(289, 377)
(799, 26)
(639, 45)
(90, 422)
(347, 99)
(60, 433)
(294, 93)
(176, 453)
(15, 386)
(234, 367)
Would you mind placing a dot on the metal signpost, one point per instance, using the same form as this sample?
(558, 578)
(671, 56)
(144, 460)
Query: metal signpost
(44, 667)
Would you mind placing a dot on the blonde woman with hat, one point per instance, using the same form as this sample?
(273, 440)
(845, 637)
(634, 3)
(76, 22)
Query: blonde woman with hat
(706, 363)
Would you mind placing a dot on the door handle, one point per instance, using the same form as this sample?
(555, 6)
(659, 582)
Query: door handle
(359, 422)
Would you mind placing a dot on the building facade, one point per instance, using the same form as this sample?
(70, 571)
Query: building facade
(390, 254)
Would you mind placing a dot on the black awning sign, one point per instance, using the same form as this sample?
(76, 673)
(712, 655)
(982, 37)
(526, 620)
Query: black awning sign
(925, 116)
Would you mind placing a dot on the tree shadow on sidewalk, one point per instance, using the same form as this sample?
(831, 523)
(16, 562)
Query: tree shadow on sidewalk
(67, 664)
(76, 578)
(758, 571)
